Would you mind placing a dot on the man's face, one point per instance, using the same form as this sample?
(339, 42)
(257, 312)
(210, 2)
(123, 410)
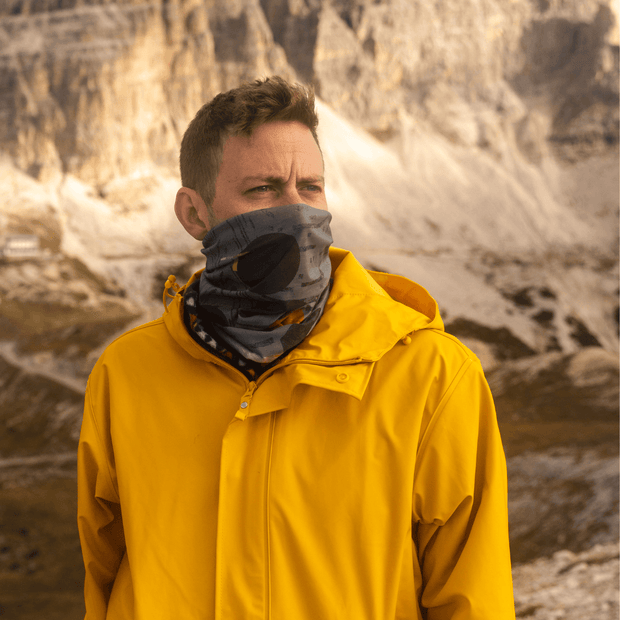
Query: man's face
(280, 164)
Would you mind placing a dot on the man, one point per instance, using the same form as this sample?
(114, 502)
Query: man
(295, 438)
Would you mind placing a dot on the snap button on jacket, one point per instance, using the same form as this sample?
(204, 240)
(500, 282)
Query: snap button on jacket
(362, 478)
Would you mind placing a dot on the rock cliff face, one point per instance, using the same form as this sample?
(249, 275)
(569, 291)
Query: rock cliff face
(97, 89)
(375, 61)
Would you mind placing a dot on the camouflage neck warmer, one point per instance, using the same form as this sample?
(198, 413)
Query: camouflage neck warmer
(267, 279)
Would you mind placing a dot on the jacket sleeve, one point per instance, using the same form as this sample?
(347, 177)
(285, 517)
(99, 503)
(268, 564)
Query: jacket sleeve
(100, 523)
(460, 516)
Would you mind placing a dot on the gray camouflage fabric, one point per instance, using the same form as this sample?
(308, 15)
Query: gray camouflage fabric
(267, 279)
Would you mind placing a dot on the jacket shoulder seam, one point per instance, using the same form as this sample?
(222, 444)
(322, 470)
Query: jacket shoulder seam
(466, 350)
(152, 323)
(445, 398)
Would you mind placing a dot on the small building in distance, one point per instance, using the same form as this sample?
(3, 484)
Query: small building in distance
(19, 247)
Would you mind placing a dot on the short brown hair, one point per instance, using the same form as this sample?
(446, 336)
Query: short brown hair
(239, 112)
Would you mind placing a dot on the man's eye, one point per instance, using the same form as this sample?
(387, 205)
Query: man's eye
(313, 188)
(261, 188)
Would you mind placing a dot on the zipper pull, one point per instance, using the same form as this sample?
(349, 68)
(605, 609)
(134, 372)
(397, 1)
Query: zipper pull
(246, 399)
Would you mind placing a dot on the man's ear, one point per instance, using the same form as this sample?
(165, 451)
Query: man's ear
(192, 212)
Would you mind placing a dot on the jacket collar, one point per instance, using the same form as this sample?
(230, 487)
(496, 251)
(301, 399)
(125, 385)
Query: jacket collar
(366, 315)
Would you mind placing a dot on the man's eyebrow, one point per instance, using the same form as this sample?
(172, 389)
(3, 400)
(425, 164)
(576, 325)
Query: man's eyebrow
(281, 180)
(314, 179)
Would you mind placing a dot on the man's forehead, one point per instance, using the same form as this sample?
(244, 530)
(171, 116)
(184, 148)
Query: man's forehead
(270, 152)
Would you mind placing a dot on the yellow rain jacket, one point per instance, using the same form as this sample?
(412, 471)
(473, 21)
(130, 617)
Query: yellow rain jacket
(362, 478)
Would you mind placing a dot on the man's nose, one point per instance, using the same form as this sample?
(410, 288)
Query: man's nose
(289, 196)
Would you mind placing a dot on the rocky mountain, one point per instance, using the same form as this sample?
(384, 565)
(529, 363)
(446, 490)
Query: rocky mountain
(471, 145)
(96, 89)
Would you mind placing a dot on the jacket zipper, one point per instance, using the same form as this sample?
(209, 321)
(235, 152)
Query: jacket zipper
(246, 399)
(272, 427)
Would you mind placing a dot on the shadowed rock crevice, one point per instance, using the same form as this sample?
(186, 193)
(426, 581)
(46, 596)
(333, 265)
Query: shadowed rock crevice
(505, 345)
(570, 66)
(558, 388)
(295, 27)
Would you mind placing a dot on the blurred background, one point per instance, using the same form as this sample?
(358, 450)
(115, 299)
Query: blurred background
(470, 145)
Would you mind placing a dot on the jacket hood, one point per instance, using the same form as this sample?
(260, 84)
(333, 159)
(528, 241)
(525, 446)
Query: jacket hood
(366, 314)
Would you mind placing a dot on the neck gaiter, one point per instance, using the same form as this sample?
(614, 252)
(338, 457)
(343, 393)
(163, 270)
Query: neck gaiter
(267, 279)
